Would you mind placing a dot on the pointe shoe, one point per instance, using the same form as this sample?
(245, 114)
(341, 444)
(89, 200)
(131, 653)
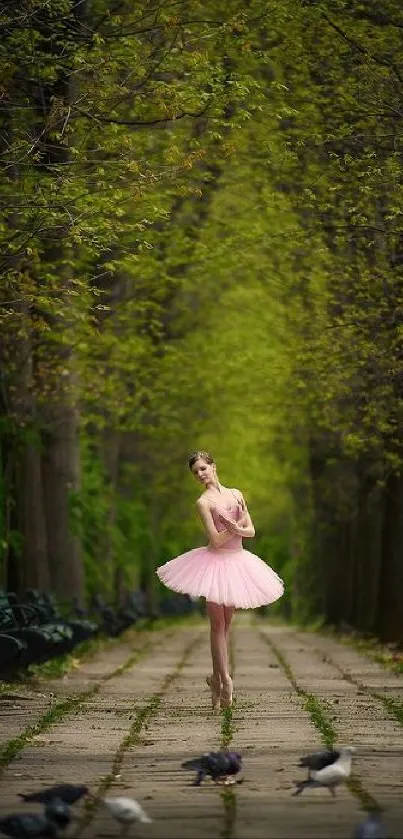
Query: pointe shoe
(226, 693)
(215, 687)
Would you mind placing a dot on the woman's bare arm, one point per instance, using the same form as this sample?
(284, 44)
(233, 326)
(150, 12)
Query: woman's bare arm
(244, 527)
(216, 538)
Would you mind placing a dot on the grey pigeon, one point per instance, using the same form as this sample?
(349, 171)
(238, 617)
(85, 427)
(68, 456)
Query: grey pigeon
(28, 826)
(318, 760)
(331, 775)
(126, 811)
(68, 793)
(371, 828)
(218, 765)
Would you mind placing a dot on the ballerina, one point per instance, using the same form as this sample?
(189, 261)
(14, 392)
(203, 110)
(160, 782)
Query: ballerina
(227, 575)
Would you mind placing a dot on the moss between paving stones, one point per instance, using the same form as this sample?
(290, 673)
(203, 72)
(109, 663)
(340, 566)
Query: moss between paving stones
(392, 706)
(228, 794)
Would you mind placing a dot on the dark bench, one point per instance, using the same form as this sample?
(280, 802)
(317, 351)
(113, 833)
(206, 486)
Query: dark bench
(178, 604)
(22, 622)
(112, 623)
(136, 608)
(136, 601)
(115, 621)
(13, 653)
(82, 629)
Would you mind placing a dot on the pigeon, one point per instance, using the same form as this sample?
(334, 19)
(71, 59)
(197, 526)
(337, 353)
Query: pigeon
(58, 812)
(30, 825)
(318, 760)
(372, 828)
(127, 811)
(219, 765)
(331, 775)
(68, 793)
(27, 826)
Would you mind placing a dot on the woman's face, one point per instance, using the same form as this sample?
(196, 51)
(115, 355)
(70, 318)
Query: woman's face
(204, 472)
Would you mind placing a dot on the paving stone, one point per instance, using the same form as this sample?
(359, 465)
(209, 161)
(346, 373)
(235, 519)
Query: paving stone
(131, 736)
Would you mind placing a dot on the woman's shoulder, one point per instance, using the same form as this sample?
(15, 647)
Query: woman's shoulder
(203, 500)
(239, 496)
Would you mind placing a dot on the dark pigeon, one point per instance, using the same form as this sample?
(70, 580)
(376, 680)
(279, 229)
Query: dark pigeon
(56, 816)
(217, 765)
(58, 812)
(28, 826)
(371, 828)
(318, 760)
(68, 793)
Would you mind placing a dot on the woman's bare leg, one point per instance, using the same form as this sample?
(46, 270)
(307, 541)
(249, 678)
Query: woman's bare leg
(226, 689)
(218, 641)
(228, 613)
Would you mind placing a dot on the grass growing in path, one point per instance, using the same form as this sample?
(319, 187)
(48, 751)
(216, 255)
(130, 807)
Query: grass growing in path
(393, 707)
(59, 710)
(226, 727)
(230, 812)
(228, 795)
(318, 716)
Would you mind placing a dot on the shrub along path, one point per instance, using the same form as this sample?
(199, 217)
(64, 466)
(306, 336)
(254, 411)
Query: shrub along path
(123, 721)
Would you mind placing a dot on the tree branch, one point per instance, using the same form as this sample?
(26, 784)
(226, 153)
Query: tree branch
(139, 123)
(362, 49)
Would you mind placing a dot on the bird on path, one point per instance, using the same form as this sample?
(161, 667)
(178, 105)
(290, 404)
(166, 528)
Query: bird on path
(318, 760)
(68, 793)
(219, 765)
(28, 826)
(126, 811)
(331, 775)
(34, 825)
(58, 812)
(371, 828)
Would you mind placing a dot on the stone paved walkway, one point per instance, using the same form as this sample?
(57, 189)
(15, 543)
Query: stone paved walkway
(141, 707)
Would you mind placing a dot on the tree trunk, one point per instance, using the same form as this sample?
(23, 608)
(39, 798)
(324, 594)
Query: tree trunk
(31, 523)
(23, 527)
(150, 561)
(368, 551)
(336, 558)
(389, 623)
(61, 458)
(27, 565)
(61, 475)
(113, 570)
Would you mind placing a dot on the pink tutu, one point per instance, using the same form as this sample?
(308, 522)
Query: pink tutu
(232, 577)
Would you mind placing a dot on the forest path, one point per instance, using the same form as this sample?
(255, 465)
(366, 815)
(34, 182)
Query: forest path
(131, 714)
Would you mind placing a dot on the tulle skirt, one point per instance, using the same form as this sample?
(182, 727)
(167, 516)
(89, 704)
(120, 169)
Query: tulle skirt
(229, 577)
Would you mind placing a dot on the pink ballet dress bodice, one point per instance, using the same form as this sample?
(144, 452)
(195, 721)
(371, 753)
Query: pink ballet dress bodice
(231, 508)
